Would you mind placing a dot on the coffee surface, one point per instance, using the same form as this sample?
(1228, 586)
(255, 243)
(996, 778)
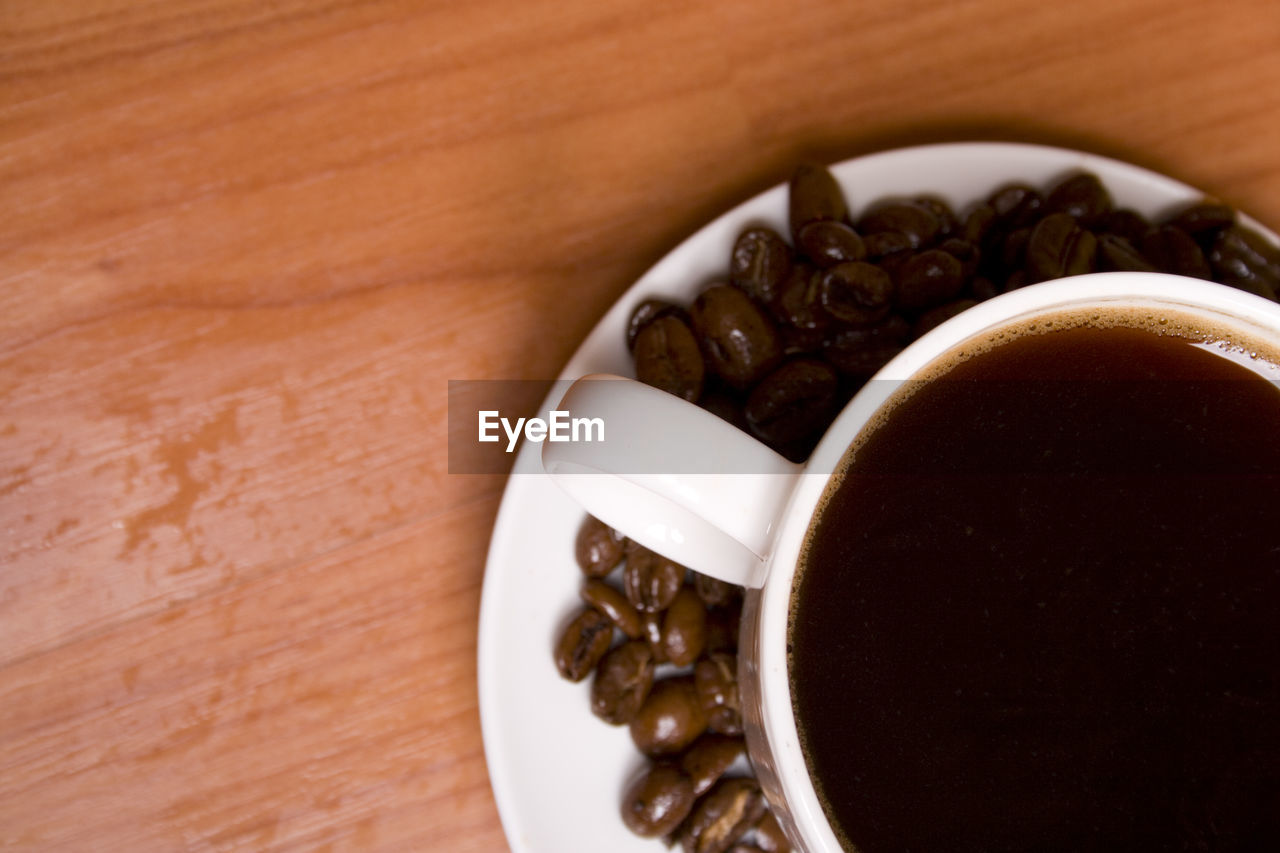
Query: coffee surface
(1040, 611)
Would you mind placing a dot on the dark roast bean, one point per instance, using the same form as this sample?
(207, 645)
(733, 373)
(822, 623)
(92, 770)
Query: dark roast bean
(1016, 206)
(935, 317)
(657, 801)
(668, 357)
(982, 288)
(927, 279)
(1125, 223)
(760, 264)
(1059, 247)
(651, 630)
(793, 402)
(726, 406)
(978, 224)
(916, 222)
(598, 547)
(648, 311)
(814, 195)
(722, 627)
(1243, 258)
(738, 338)
(855, 293)
(1172, 250)
(709, 758)
(769, 836)
(1116, 254)
(622, 682)
(948, 224)
(1204, 219)
(713, 592)
(800, 306)
(882, 244)
(801, 341)
(965, 252)
(684, 628)
(1012, 252)
(827, 243)
(670, 719)
(1016, 279)
(650, 580)
(613, 604)
(861, 352)
(1083, 197)
(584, 641)
(722, 816)
(716, 680)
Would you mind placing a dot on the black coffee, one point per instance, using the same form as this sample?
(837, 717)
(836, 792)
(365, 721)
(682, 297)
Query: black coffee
(1041, 609)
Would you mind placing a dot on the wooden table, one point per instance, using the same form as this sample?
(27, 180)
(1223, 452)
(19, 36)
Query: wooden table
(243, 247)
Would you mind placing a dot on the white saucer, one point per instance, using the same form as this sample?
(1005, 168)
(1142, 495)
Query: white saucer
(557, 771)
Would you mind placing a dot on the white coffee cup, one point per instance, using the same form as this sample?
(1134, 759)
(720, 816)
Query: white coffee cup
(685, 483)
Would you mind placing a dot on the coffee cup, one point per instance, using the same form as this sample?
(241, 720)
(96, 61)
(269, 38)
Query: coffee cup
(692, 487)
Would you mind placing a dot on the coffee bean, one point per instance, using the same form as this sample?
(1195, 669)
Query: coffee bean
(726, 406)
(935, 317)
(1204, 219)
(668, 357)
(794, 402)
(613, 604)
(724, 814)
(1125, 223)
(709, 758)
(930, 278)
(739, 340)
(584, 641)
(722, 627)
(1012, 252)
(1172, 250)
(670, 719)
(968, 254)
(651, 631)
(769, 836)
(855, 293)
(760, 263)
(622, 682)
(861, 352)
(684, 628)
(650, 580)
(598, 547)
(1244, 259)
(1115, 253)
(657, 801)
(814, 195)
(978, 224)
(982, 288)
(948, 223)
(827, 243)
(648, 311)
(800, 306)
(882, 244)
(1016, 206)
(916, 222)
(714, 593)
(1059, 247)
(1082, 197)
(716, 680)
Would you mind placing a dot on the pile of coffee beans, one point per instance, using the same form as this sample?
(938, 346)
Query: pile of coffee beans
(777, 348)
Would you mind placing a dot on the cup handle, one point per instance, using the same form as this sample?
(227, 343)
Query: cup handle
(673, 477)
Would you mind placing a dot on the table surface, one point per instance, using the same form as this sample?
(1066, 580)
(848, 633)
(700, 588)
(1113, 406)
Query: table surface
(244, 247)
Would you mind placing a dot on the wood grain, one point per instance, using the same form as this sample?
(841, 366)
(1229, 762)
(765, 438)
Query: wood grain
(243, 248)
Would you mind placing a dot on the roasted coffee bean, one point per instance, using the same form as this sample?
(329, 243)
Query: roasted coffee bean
(613, 604)
(916, 222)
(800, 342)
(793, 402)
(1012, 252)
(800, 306)
(598, 547)
(1204, 219)
(883, 244)
(1082, 197)
(948, 223)
(726, 406)
(930, 278)
(814, 195)
(977, 224)
(1243, 258)
(1016, 279)
(769, 836)
(982, 288)
(968, 254)
(1125, 223)
(657, 801)
(935, 317)
(827, 243)
(855, 293)
(722, 627)
(648, 311)
(1015, 206)
(713, 592)
(1059, 247)
(738, 338)
(716, 680)
(650, 580)
(709, 758)
(744, 848)
(760, 263)
(1172, 250)
(670, 719)
(584, 641)
(684, 628)
(622, 682)
(651, 630)
(722, 816)
(1116, 254)
(668, 357)
(861, 352)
